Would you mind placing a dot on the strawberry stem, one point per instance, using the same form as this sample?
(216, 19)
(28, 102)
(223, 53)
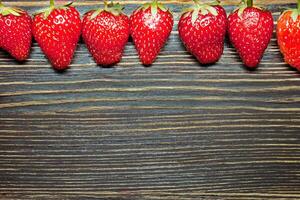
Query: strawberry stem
(105, 5)
(249, 3)
(154, 3)
(51, 3)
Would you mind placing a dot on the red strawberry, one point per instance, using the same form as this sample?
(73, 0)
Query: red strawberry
(106, 32)
(151, 26)
(202, 28)
(250, 31)
(15, 32)
(288, 35)
(57, 30)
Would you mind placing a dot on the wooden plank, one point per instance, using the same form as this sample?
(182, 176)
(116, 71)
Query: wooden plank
(176, 130)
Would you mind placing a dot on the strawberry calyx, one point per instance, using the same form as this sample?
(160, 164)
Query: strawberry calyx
(295, 12)
(202, 8)
(246, 4)
(115, 9)
(47, 11)
(154, 6)
(9, 10)
(242, 6)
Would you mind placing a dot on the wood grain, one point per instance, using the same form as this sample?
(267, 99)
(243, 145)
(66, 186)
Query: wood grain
(176, 130)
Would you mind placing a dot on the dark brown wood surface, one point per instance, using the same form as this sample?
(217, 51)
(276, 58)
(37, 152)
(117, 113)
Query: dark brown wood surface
(176, 130)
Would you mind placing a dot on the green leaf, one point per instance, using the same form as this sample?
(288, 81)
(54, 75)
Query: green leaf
(18, 10)
(118, 7)
(259, 7)
(162, 7)
(47, 13)
(241, 10)
(145, 6)
(68, 4)
(212, 10)
(12, 11)
(40, 11)
(186, 10)
(115, 13)
(96, 13)
(295, 15)
(115, 9)
(204, 11)
(214, 3)
(153, 10)
(5, 12)
(195, 15)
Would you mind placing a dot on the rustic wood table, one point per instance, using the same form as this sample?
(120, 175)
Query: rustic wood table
(176, 130)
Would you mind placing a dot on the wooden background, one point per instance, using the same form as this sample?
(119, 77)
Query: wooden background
(176, 130)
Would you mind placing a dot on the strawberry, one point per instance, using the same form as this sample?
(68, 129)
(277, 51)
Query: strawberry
(15, 32)
(106, 32)
(250, 30)
(288, 34)
(57, 30)
(151, 26)
(202, 28)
